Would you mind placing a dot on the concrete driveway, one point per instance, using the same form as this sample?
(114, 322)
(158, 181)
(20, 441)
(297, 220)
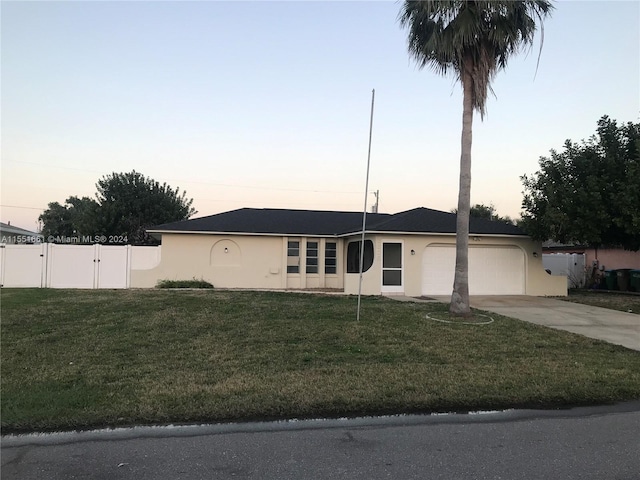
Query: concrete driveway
(601, 323)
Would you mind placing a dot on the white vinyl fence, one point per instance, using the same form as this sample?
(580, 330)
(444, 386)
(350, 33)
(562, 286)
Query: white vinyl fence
(23, 265)
(570, 264)
(71, 266)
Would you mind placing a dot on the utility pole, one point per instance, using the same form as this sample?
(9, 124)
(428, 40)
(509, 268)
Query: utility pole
(364, 210)
(374, 209)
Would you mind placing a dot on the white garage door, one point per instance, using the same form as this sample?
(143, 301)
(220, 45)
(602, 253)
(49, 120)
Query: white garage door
(492, 270)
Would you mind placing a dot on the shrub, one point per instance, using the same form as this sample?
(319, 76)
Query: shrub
(183, 284)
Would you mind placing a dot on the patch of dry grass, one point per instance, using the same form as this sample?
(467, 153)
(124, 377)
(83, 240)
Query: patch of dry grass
(80, 359)
(615, 301)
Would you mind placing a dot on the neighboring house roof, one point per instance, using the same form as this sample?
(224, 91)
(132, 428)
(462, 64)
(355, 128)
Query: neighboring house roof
(554, 244)
(315, 222)
(11, 230)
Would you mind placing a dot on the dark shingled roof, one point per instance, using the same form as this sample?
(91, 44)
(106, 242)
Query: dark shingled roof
(275, 221)
(314, 222)
(421, 220)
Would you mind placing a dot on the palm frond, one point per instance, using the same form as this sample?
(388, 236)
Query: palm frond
(475, 37)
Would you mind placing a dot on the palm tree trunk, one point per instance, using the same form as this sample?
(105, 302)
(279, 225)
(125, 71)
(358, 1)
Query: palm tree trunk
(460, 296)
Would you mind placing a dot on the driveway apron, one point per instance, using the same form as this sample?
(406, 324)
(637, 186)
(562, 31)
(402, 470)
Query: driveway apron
(612, 326)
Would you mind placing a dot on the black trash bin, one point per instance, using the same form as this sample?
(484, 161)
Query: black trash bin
(611, 279)
(634, 281)
(623, 279)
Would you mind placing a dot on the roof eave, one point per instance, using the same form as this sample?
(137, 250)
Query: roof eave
(471, 234)
(248, 234)
(329, 235)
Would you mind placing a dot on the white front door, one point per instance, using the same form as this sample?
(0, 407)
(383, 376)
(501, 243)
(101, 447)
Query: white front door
(392, 273)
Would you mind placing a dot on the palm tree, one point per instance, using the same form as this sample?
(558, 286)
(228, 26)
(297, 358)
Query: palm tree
(473, 40)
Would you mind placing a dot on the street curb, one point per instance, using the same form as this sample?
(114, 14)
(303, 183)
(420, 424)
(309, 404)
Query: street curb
(196, 430)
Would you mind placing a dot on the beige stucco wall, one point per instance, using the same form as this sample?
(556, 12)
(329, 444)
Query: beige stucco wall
(236, 261)
(537, 281)
(248, 262)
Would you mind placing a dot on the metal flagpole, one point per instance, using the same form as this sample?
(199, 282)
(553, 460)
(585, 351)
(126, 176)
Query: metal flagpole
(364, 211)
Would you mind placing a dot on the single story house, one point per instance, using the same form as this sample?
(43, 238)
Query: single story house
(410, 253)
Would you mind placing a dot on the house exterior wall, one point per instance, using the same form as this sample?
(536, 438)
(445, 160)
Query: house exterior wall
(236, 261)
(371, 282)
(249, 262)
(260, 261)
(537, 281)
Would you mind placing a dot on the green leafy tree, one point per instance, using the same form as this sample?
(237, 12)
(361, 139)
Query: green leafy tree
(472, 40)
(487, 212)
(76, 217)
(126, 204)
(130, 203)
(589, 193)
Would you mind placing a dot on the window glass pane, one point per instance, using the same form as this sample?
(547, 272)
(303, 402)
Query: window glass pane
(353, 256)
(293, 269)
(293, 248)
(312, 257)
(330, 255)
(368, 255)
(391, 255)
(391, 277)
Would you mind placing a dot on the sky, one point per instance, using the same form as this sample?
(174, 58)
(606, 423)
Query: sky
(267, 104)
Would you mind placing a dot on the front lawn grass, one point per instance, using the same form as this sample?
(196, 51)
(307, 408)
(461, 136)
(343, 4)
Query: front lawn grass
(75, 359)
(616, 301)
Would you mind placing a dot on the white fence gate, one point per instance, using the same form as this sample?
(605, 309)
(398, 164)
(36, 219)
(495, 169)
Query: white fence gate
(65, 266)
(23, 265)
(570, 264)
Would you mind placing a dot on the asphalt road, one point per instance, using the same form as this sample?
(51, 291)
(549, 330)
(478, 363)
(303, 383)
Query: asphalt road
(589, 443)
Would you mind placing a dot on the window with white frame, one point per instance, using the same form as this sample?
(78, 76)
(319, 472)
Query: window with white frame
(392, 264)
(293, 256)
(330, 258)
(312, 257)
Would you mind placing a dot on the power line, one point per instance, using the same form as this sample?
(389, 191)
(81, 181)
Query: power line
(198, 182)
(20, 206)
